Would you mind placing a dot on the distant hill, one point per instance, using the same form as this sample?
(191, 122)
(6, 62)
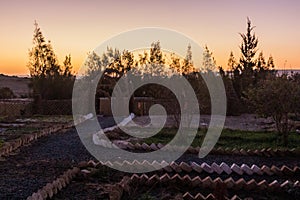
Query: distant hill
(18, 85)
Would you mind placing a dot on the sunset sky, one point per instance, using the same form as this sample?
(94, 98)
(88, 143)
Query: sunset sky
(77, 27)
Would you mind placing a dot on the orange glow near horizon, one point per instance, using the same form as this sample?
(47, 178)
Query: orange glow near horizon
(77, 27)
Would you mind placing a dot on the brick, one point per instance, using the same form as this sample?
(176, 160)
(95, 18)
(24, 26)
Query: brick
(267, 170)
(274, 185)
(276, 170)
(256, 170)
(207, 182)
(217, 168)
(240, 184)
(196, 167)
(236, 169)
(226, 168)
(206, 168)
(262, 185)
(286, 170)
(153, 147)
(229, 183)
(175, 167)
(185, 167)
(250, 185)
(246, 169)
(197, 181)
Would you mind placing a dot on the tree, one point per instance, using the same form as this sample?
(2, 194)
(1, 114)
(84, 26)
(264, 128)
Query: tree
(187, 66)
(67, 70)
(156, 60)
(209, 63)
(248, 49)
(231, 62)
(156, 55)
(247, 62)
(93, 63)
(175, 64)
(127, 61)
(270, 63)
(277, 98)
(48, 78)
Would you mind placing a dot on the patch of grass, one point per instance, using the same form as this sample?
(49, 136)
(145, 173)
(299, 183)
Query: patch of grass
(233, 139)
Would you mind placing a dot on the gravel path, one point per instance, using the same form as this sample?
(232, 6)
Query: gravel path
(41, 162)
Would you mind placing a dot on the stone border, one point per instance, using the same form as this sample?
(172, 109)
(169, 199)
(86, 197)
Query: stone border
(116, 190)
(207, 182)
(244, 169)
(25, 139)
(269, 152)
(50, 189)
(9, 147)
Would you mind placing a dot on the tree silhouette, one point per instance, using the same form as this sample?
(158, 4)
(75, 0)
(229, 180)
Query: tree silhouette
(187, 66)
(247, 62)
(209, 63)
(156, 64)
(248, 49)
(232, 65)
(48, 78)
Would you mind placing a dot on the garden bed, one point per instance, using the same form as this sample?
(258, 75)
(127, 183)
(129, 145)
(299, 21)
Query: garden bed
(96, 181)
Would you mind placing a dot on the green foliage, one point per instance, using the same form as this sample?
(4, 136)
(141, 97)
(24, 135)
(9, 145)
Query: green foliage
(248, 49)
(277, 98)
(6, 93)
(209, 63)
(232, 139)
(49, 79)
(244, 71)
